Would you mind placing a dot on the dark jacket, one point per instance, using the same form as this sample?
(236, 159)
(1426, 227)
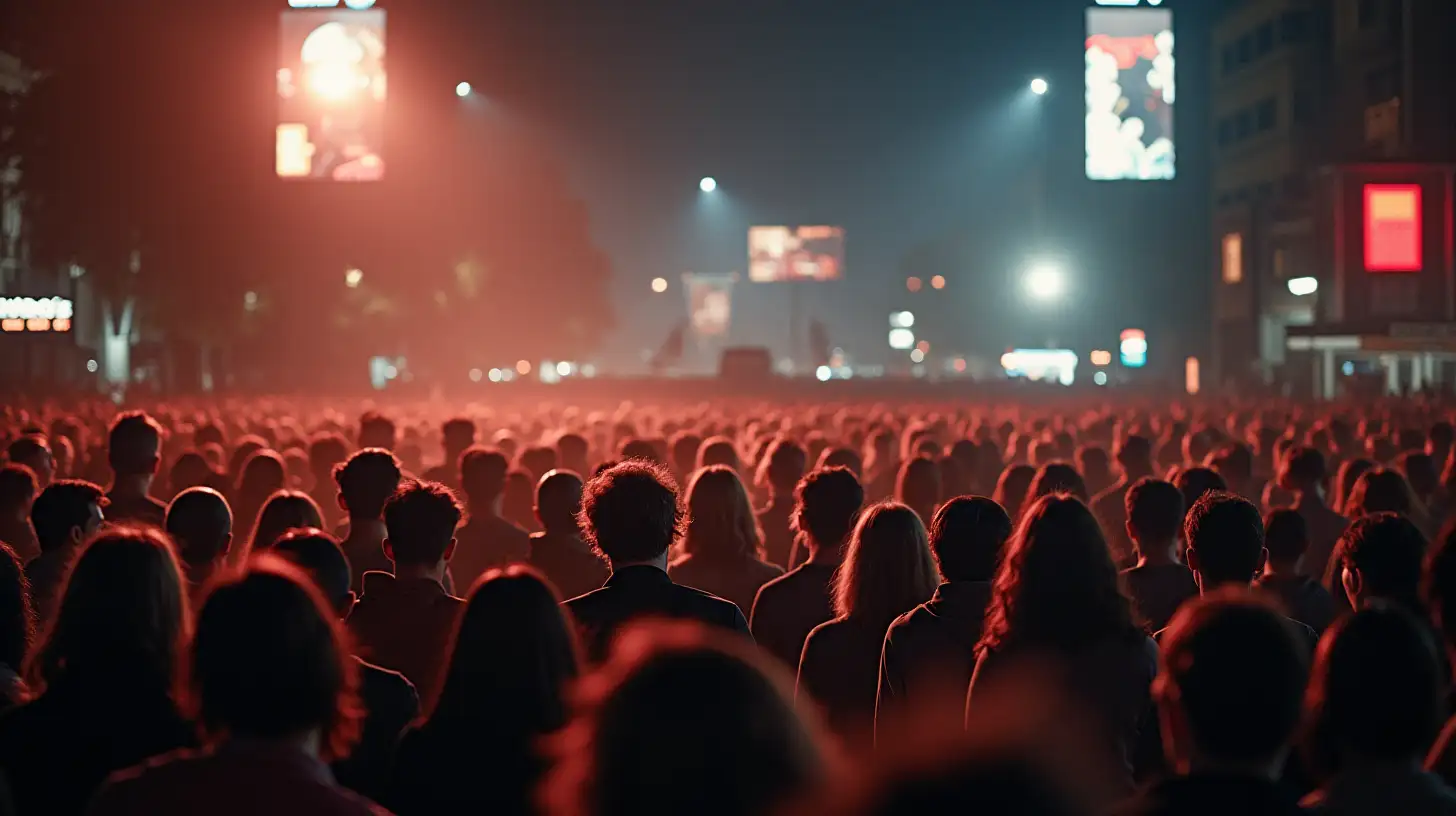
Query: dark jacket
(1407, 790)
(56, 751)
(143, 510)
(233, 780)
(1157, 591)
(465, 768)
(644, 592)
(1302, 599)
(737, 580)
(840, 670)
(789, 607)
(390, 705)
(569, 563)
(484, 542)
(405, 626)
(1212, 796)
(934, 642)
(45, 573)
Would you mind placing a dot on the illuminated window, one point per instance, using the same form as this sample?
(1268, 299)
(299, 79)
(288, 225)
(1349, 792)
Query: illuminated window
(1393, 228)
(1233, 257)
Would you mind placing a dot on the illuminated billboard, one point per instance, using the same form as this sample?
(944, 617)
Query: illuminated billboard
(1131, 90)
(1046, 365)
(26, 314)
(1132, 348)
(795, 254)
(331, 93)
(1393, 228)
(710, 303)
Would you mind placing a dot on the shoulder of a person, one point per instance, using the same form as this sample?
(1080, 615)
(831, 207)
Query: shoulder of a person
(385, 677)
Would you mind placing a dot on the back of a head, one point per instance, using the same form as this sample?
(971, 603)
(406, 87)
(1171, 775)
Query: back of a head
(1057, 585)
(888, 569)
(639, 450)
(1377, 689)
(63, 507)
(1388, 550)
(828, 502)
(1135, 454)
(718, 451)
(1154, 510)
(269, 661)
(918, 484)
(457, 434)
(483, 474)
(1231, 665)
(721, 525)
(377, 431)
(1420, 471)
(1012, 486)
(538, 460)
(17, 487)
(263, 473)
(1286, 535)
(322, 558)
(1196, 482)
(420, 520)
(631, 512)
(718, 729)
(968, 536)
(201, 522)
(34, 452)
(573, 449)
(1381, 490)
(1057, 477)
(134, 444)
(121, 616)
(1226, 534)
(325, 451)
(783, 465)
(558, 500)
(684, 451)
(513, 657)
(366, 480)
(285, 510)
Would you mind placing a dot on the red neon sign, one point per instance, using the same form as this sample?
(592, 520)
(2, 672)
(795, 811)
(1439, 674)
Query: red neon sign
(1393, 228)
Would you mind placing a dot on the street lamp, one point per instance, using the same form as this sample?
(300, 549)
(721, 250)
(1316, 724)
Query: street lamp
(462, 90)
(1045, 281)
(708, 184)
(659, 285)
(1039, 86)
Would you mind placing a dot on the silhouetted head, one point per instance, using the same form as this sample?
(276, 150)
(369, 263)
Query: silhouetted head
(631, 513)
(201, 523)
(782, 466)
(283, 511)
(483, 475)
(1381, 555)
(1154, 511)
(134, 445)
(421, 518)
(366, 480)
(888, 569)
(827, 503)
(1286, 537)
(322, 558)
(1225, 538)
(558, 501)
(968, 536)
(721, 525)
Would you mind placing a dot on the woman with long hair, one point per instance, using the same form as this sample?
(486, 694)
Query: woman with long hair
(1384, 490)
(684, 720)
(283, 511)
(101, 674)
(263, 474)
(779, 473)
(1346, 477)
(1056, 595)
(722, 551)
(510, 664)
(919, 487)
(888, 570)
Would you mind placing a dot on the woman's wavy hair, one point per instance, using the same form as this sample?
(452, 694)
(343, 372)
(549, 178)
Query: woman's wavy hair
(721, 524)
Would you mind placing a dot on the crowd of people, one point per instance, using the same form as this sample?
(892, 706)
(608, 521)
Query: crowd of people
(273, 606)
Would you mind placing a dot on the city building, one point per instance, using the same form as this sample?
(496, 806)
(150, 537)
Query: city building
(1334, 139)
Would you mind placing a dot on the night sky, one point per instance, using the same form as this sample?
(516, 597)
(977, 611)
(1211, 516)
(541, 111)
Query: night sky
(907, 123)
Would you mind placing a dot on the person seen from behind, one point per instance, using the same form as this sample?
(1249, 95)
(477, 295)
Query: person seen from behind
(1160, 582)
(64, 516)
(487, 539)
(722, 547)
(560, 551)
(366, 480)
(1286, 537)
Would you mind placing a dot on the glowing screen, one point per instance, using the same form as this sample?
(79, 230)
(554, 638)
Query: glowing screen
(1392, 228)
(36, 314)
(1130, 90)
(331, 92)
(795, 254)
(1132, 348)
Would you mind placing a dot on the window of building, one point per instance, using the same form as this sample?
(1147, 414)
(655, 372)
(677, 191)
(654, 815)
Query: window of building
(1367, 13)
(1264, 39)
(1233, 257)
(1293, 26)
(1266, 115)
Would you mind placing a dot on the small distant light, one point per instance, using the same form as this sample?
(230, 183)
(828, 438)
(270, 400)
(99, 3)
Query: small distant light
(390, 372)
(1299, 287)
(902, 320)
(937, 282)
(1100, 357)
(563, 368)
(495, 375)
(523, 367)
(659, 285)
(353, 278)
(1100, 378)
(92, 366)
(1039, 86)
(960, 365)
(917, 356)
(250, 301)
(823, 373)
(476, 375)
(463, 89)
(708, 184)
(913, 284)
(1191, 379)
(1348, 369)
(923, 347)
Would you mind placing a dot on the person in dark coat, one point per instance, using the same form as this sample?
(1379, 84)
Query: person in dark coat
(936, 642)
(1231, 675)
(512, 661)
(633, 517)
(390, 701)
(787, 609)
(134, 452)
(560, 552)
(403, 621)
(275, 695)
(887, 571)
(102, 677)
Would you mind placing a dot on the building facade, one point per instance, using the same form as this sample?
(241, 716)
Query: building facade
(1319, 106)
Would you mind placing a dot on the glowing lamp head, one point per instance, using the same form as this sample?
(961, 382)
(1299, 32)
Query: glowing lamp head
(659, 285)
(463, 90)
(1299, 287)
(708, 184)
(1039, 86)
(353, 277)
(1045, 282)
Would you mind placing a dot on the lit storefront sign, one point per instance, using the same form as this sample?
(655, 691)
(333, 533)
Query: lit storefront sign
(26, 314)
(1393, 228)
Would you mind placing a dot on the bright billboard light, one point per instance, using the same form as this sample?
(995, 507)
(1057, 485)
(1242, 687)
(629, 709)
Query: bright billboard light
(1133, 348)
(902, 339)
(331, 92)
(1299, 287)
(1131, 89)
(1393, 228)
(1045, 281)
(1050, 365)
(902, 320)
(795, 254)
